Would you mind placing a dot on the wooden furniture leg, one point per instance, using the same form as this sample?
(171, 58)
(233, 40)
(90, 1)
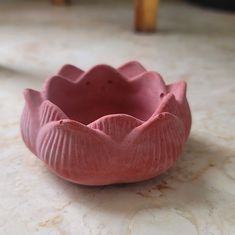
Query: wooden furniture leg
(60, 2)
(145, 15)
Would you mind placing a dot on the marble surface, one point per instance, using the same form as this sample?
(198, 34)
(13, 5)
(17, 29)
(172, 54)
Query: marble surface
(196, 196)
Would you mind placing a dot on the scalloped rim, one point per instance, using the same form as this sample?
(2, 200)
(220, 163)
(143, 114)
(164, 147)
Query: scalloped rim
(36, 98)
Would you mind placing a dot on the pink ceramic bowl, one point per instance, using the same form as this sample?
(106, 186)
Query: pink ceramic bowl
(106, 125)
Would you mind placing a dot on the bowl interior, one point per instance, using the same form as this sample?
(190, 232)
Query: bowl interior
(91, 99)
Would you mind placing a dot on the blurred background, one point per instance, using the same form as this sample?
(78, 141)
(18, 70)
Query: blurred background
(37, 37)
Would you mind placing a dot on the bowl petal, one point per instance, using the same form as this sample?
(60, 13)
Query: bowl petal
(155, 145)
(33, 98)
(49, 112)
(168, 104)
(116, 126)
(77, 152)
(28, 128)
(131, 69)
(29, 122)
(179, 91)
(70, 72)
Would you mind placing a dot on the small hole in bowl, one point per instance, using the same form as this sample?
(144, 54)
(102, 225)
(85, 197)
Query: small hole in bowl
(161, 95)
(61, 122)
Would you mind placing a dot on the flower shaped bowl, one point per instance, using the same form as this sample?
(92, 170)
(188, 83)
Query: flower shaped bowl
(106, 125)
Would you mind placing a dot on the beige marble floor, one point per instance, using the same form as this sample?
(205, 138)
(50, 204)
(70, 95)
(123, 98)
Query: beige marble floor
(197, 196)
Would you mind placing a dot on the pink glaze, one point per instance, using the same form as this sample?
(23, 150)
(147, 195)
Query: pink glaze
(107, 125)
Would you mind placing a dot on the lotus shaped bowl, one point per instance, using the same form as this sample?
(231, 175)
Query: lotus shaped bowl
(106, 125)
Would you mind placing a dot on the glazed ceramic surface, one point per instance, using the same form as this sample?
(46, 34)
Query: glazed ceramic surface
(107, 125)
